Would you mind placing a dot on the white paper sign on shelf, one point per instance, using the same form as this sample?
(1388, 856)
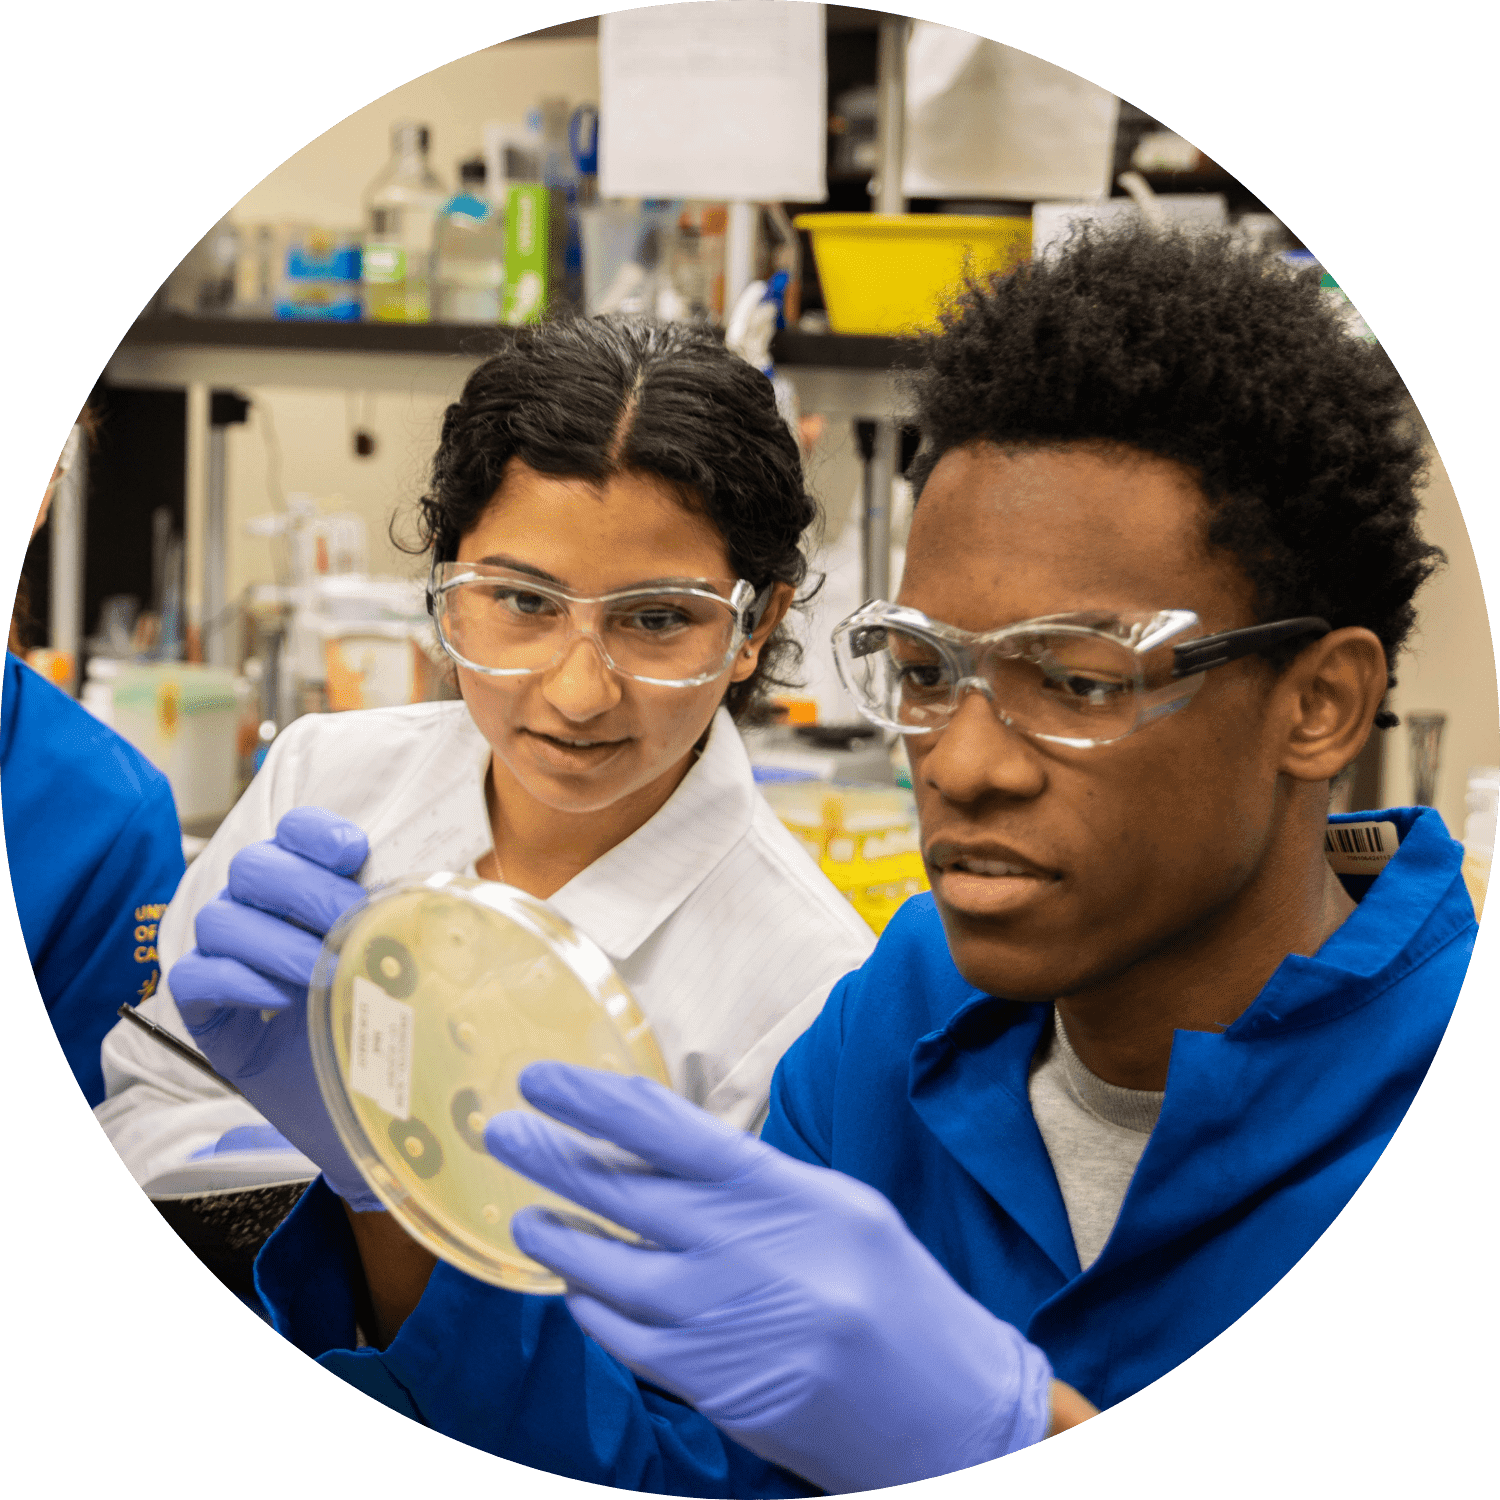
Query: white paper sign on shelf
(721, 100)
(986, 121)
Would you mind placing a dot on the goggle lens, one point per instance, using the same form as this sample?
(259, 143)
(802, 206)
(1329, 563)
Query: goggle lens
(514, 625)
(1063, 683)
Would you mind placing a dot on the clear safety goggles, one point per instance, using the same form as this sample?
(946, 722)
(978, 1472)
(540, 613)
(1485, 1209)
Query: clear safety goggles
(1070, 679)
(507, 624)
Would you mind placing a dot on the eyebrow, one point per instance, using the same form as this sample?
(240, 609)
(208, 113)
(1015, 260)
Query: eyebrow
(515, 565)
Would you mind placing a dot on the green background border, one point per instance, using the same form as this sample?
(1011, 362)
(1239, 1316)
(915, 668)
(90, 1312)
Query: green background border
(132, 128)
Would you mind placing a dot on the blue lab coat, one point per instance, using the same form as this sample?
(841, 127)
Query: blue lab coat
(95, 854)
(916, 1082)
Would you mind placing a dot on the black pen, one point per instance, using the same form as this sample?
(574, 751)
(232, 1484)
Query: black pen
(186, 1053)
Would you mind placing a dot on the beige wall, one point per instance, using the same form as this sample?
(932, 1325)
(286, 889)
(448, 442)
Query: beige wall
(324, 181)
(313, 430)
(1450, 664)
(323, 184)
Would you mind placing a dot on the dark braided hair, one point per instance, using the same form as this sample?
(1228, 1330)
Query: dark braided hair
(1196, 348)
(591, 398)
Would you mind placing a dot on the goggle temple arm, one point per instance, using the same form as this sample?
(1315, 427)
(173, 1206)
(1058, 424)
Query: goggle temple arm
(754, 611)
(1231, 645)
(432, 593)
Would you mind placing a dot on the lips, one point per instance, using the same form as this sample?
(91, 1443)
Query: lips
(568, 752)
(557, 739)
(982, 858)
(984, 878)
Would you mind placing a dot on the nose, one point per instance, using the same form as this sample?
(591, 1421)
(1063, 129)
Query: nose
(977, 754)
(580, 686)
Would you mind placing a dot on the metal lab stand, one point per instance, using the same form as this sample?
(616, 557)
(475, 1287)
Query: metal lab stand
(857, 379)
(854, 378)
(877, 451)
(209, 358)
(65, 580)
(224, 411)
(880, 461)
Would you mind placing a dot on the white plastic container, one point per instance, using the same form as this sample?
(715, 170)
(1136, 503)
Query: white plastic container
(359, 636)
(370, 665)
(98, 695)
(183, 719)
(1483, 801)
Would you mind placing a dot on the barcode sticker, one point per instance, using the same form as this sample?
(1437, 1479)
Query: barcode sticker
(380, 1048)
(1360, 848)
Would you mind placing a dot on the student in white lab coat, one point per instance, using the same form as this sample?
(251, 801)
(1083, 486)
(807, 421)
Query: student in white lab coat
(600, 770)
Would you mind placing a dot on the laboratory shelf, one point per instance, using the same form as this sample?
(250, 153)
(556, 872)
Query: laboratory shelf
(307, 336)
(837, 374)
(845, 351)
(835, 350)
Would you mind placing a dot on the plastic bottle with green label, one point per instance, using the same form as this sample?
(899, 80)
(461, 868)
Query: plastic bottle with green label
(401, 214)
(528, 213)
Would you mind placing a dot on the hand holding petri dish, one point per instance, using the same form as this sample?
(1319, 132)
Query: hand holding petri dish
(428, 1000)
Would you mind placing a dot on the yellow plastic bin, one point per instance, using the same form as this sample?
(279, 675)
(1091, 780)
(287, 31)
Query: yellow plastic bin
(865, 839)
(891, 273)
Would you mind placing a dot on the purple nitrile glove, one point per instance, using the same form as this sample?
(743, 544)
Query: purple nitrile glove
(257, 944)
(788, 1303)
(245, 1138)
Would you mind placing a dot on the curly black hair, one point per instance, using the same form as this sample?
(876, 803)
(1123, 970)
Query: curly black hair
(587, 398)
(1196, 348)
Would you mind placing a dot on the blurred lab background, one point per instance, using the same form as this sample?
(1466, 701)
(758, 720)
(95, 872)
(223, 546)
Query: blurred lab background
(222, 555)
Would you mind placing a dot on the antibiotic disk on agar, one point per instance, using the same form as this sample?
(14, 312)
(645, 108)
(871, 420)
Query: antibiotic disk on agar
(428, 1000)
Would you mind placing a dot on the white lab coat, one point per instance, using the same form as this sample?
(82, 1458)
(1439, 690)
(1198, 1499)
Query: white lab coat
(727, 934)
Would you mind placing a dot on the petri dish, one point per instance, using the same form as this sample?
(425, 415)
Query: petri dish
(428, 1000)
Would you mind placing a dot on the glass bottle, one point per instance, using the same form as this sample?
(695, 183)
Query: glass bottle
(401, 212)
(470, 257)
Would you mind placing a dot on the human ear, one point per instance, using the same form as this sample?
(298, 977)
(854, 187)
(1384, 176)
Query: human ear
(749, 654)
(1331, 693)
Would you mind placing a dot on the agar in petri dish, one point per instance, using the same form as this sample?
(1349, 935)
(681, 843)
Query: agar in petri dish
(428, 1000)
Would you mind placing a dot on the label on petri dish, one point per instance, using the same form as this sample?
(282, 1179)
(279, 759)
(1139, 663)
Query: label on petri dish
(380, 1048)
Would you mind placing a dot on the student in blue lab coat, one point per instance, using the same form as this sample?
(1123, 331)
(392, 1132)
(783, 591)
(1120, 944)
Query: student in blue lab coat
(95, 854)
(1093, 1097)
